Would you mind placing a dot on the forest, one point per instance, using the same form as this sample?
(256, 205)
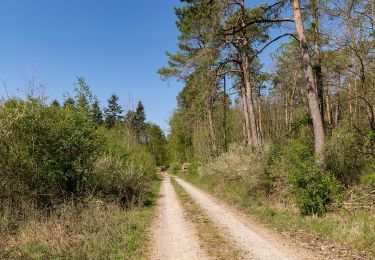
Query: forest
(298, 139)
(292, 146)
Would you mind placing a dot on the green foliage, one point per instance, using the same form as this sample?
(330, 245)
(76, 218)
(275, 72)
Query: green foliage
(84, 96)
(97, 115)
(47, 152)
(193, 168)
(139, 121)
(369, 179)
(156, 143)
(314, 189)
(343, 157)
(175, 168)
(51, 153)
(126, 175)
(113, 112)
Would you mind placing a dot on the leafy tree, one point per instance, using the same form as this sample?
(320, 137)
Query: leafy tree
(113, 111)
(84, 97)
(156, 143)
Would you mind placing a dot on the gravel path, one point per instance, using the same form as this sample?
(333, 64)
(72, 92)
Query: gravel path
(174, 236)
(252, 244)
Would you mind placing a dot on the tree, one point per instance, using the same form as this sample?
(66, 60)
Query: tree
(96, 112)
(69, 102)
(84, 97)
(139, 121)
(310, 84)
(113, 111)
(55, 103)
(156, 143)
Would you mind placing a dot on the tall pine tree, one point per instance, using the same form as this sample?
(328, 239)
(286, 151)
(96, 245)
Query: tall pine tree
(113, 113)
(96, 112)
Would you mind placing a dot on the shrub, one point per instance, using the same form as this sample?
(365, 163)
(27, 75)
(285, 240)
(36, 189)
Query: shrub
(125, 173)
(46, 153)
(175, 168)
(314, 189)
(242, 166)
(193, 168)
(343, 156)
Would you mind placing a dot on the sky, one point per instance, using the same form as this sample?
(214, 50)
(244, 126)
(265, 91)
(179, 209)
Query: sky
(117, 45)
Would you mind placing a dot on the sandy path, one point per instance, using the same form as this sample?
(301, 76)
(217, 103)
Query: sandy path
(174, 237)
(251, 243)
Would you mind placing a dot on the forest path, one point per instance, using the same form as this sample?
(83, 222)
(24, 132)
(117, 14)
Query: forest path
(174, 236)
(254, 241)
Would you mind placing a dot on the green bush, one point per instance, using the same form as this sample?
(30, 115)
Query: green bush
(369, 180)
(343, 158)
(123, 171)
(46, 152)
(49, 154)
(175, 168)
(314, 189)
(193, 168)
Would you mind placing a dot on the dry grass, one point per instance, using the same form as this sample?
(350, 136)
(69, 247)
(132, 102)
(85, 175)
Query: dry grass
(93, 229)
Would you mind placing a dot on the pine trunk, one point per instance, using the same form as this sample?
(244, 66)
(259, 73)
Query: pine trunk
(310, 85)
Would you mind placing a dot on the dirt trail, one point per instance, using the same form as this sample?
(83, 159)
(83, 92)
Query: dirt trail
(253, 245)
(174, 237)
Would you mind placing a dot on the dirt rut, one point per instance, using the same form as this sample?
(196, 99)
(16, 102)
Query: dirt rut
(174, 236)
(252, 244)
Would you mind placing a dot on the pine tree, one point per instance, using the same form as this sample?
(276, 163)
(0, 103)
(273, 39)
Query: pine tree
(113, 113)
(69, 102)
(96, 112)
(55, 103)
(139, 120)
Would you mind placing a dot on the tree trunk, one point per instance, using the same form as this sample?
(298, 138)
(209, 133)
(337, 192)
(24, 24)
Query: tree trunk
(350, 89)
(260, 130)
(318, 58)
(250, 101)
(310, 84)
(329, 111)
(225, 114)
(246, 116)
(211, 128)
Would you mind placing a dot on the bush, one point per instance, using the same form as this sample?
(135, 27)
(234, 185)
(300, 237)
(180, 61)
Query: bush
(46, 153)
(125, 173)
(49, 154)
(242, 166)
(343, 156)
(314, 189)
(175, 168)
(193, 168)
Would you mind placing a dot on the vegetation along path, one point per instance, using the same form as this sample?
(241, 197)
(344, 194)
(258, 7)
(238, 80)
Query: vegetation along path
(175, 239)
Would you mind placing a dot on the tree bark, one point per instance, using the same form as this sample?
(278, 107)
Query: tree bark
(318, 58)
(310, 84)
(250, 100)
(246, 116)
(225, 114)
(211, 127)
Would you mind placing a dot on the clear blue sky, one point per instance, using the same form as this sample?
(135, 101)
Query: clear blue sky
(117, 45)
